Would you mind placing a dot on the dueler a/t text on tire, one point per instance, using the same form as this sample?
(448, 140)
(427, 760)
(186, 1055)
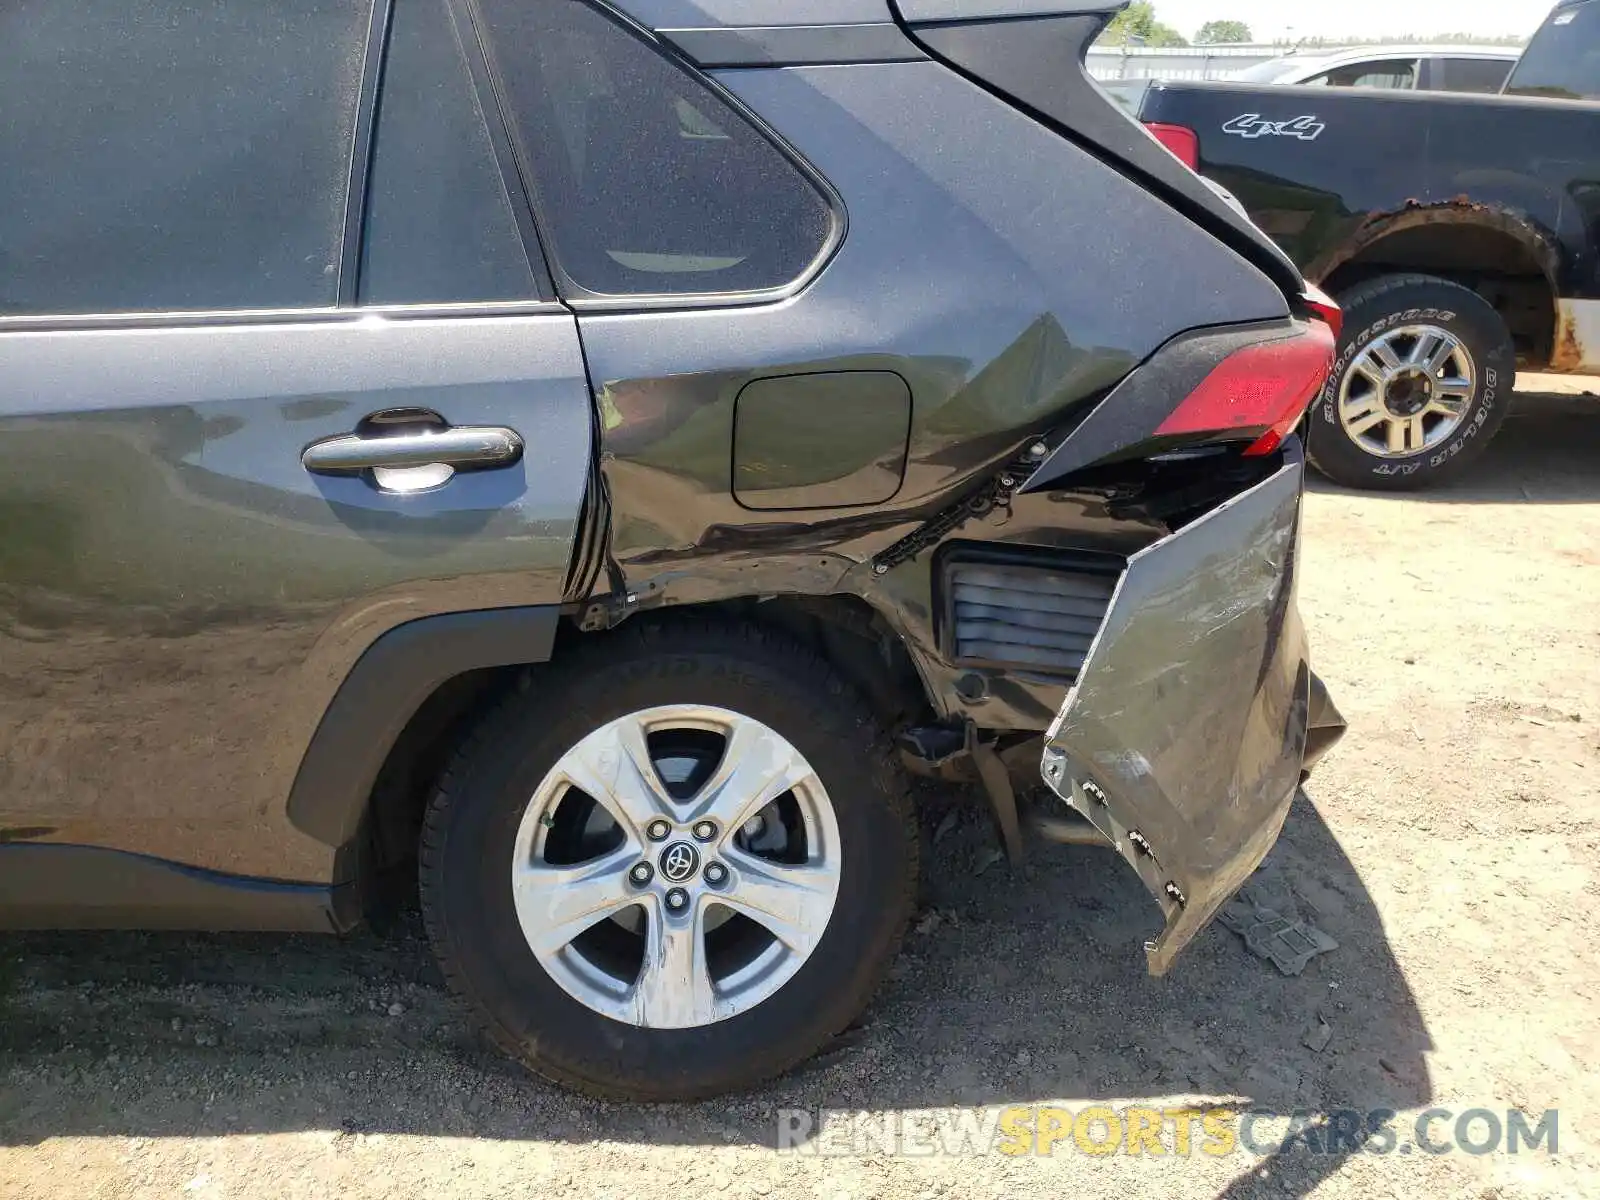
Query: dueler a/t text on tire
(579, 1004)
(1423, 377)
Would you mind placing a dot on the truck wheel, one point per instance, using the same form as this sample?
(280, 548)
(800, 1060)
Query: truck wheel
(1423, 376)
(674, 866)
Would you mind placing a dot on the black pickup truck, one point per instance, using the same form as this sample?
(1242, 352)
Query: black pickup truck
(1460, 233)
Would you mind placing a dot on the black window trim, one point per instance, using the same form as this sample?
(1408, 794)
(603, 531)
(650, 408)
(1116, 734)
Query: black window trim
(499, 141)
(375, 52)
(574, 295)
(468, 33)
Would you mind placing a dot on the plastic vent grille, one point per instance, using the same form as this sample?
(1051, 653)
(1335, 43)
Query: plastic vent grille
(1039, 619)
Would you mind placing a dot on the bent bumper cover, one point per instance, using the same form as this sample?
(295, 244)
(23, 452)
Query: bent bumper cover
(1184, 738)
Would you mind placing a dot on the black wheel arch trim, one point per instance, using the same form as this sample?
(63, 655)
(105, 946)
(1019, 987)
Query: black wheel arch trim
(387, 685)
(93, 887)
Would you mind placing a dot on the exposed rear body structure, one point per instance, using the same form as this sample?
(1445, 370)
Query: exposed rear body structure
(680, 414)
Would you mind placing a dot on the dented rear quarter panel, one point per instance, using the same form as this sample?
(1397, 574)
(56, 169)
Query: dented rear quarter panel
(1000, 270)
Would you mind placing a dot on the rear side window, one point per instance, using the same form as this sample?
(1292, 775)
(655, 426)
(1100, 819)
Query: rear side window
(1563, 59)
(647, 182)
(175, 154)
(439, 225)
(1484, 75)
(1391, 73)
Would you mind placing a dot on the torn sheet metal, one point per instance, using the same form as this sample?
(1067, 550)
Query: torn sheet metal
(1184, 737)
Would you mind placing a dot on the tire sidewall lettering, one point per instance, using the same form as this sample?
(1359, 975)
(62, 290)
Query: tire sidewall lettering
(1484, 403)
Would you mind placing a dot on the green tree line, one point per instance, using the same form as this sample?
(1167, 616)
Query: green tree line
(1138, 25)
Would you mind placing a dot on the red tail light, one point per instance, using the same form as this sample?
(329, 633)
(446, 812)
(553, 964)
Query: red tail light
(1181, 140)
(1323, 307)
(1260, 391)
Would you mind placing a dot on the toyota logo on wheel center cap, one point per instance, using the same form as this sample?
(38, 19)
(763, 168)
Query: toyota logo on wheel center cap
(679, 861)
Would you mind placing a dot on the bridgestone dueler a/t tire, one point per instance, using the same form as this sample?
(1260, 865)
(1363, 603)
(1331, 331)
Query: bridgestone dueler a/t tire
(1379, 305)
(472, 822)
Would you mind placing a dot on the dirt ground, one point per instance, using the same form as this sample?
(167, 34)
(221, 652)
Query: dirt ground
(1448, 844)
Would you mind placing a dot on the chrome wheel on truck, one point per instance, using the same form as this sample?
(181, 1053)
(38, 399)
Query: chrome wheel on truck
(1407, 390)
(673, 865)
(1424, 373)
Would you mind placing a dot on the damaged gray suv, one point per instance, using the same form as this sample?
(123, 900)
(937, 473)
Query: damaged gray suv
(588, 454)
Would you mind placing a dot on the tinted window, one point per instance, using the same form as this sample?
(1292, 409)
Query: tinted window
(647, 182)
(1470, 74)
(439, 225)
(1393, 73)
(1563, 60)
(175, 154)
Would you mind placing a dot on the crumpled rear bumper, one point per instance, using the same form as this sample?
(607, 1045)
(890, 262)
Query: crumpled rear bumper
(1196, 711)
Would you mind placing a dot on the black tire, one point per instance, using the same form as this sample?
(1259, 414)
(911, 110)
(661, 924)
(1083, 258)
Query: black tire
(1382, 304)
(471, 823)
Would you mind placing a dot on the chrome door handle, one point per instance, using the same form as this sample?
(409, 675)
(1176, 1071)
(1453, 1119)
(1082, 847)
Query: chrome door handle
(464, 447)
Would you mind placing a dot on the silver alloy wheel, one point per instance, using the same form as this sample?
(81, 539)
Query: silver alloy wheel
(761, 788)
(1407, 391)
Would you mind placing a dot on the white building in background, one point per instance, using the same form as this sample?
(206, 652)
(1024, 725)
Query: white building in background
(1179, 62)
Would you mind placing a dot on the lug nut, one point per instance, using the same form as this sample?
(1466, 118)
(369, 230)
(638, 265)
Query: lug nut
(657, 830)
(641, 873)
(677, 899)
(704, 831)
(716, 874)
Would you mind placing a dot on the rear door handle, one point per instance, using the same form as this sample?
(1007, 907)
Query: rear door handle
(463, 447)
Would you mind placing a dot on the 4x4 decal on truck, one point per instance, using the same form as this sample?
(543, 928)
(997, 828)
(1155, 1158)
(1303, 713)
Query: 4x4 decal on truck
(1251, 125)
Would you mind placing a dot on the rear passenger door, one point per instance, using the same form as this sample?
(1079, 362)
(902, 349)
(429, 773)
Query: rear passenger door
(232, 284)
